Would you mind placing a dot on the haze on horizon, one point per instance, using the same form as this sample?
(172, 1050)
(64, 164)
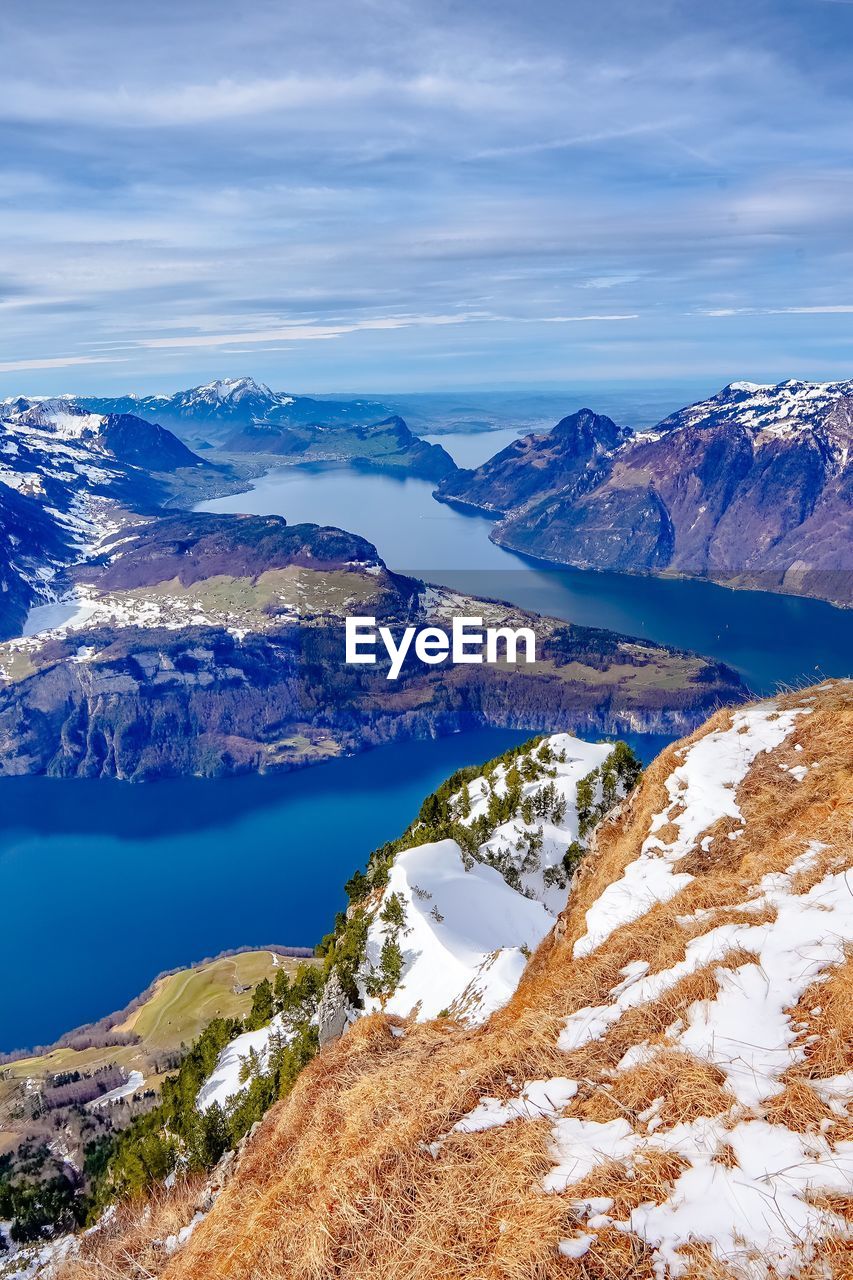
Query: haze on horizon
(386, 195)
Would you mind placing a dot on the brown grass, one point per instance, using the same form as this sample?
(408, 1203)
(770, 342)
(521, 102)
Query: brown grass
(132, 1245)
(341, 1182)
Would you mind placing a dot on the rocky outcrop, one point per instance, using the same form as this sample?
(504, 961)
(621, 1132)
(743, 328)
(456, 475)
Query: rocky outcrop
(334, 1011)
(529, 468)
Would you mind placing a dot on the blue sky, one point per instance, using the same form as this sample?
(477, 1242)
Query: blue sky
(387, 194)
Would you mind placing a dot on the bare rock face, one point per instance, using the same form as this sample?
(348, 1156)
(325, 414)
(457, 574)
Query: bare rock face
(333, 1013)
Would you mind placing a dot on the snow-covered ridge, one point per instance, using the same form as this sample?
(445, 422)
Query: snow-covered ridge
(754, 1189)
(465, 920)
(769, 412)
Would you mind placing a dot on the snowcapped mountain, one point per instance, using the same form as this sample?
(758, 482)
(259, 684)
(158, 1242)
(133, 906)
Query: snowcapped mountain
(753, 487)
(216, 409)
(779, 412)
(68, 477)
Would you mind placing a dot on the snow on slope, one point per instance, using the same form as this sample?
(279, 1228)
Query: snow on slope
(462, 928)
(472, 921)
(701, 792)
(768, 412)
(224, 1081)
(757, 1193)
(134, 1081)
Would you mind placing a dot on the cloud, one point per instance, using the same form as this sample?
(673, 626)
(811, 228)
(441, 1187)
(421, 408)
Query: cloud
(343, 188)
(298, 333)
(57, 362)
(833, 309)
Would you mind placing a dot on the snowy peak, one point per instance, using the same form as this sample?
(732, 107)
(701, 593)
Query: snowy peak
(232, 389)
(767, 412)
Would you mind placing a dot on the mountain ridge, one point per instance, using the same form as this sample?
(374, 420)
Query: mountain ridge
(752, 487)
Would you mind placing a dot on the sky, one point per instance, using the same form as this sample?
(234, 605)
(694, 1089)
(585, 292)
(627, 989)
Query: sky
(390, 195)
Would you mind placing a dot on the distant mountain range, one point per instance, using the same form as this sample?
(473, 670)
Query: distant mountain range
(753, 487)
(219, 408)
(246, 417)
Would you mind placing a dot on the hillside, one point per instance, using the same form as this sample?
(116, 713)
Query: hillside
(386, 445)
(60, 1107)
(210, 644)
(753, 487)
(665, 1094)
(68, 479)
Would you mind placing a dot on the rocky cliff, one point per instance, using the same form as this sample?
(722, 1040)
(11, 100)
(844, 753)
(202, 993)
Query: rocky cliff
(207, 644)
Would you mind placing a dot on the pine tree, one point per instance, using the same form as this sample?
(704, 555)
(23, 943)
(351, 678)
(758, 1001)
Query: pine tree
(263, 1006)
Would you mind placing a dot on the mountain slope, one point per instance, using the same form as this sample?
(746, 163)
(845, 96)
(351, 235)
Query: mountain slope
(67, 479)
(753, 487)
(536, 464)
(388, 445)
(665, 1095)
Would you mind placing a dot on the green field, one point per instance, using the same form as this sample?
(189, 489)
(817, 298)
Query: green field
(178, 1008)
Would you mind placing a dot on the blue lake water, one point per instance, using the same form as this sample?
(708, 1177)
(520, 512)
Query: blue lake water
(106, 884)
(770, 639)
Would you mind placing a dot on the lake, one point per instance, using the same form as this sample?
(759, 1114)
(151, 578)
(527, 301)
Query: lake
(107, 884)
(770, 639)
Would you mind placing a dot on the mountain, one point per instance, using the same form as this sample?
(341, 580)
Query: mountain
(67, 479)
(209, 644)
(246, 417)
(388, 445)
(662, 1091)
(537, 464)
(753, 487)
(218, 408)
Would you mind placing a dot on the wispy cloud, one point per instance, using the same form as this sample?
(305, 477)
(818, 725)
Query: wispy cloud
(57, 362)
(832, 309)
(357, 190)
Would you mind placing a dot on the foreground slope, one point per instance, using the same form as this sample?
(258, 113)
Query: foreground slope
(665, 1095)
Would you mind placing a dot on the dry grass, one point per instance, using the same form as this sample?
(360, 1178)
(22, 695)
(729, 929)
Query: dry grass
(682, 1088)
(343, 1180)
(132, 1246)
